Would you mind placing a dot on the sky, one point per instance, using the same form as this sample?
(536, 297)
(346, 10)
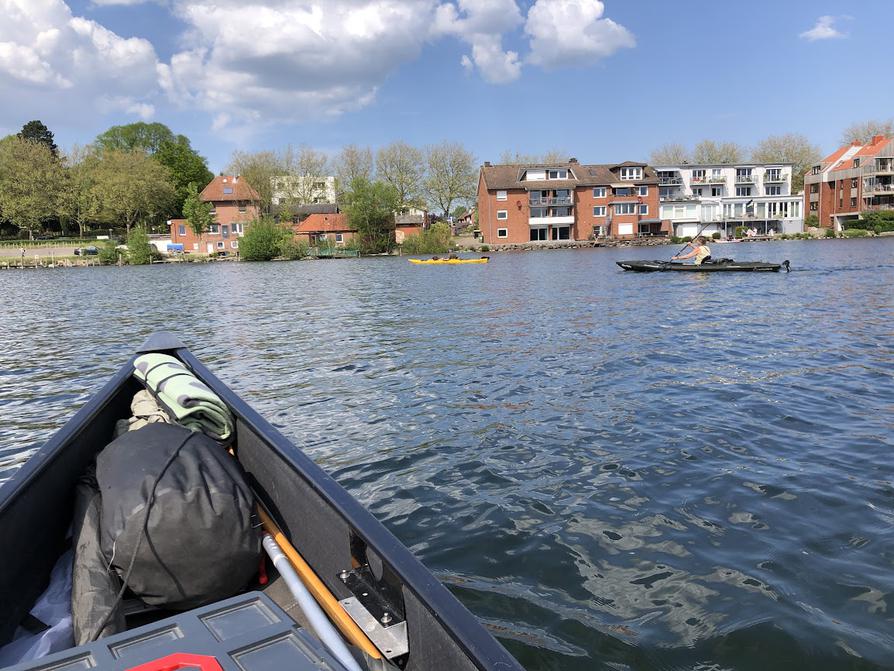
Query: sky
(602, 81)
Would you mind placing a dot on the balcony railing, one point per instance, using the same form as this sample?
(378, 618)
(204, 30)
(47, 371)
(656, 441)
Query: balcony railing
(716, 179)
(771, 177)
(879, 188)
(882, 167)
(551, 200)
(745, 179)
(670, 181)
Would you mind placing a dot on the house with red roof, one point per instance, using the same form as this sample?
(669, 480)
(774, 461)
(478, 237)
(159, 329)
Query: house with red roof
(325, 228)
(853, 179)
(235, 205)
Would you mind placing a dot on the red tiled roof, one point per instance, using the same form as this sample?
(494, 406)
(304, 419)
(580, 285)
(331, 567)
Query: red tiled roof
(874, 147)
(228, 187)
(324, 223)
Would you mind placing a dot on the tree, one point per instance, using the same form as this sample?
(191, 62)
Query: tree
(670, 154)
(197, 212)
(262, 241)
(370, 208)
(30, 183)
(550, 156)
(147, 137)
(789, 148)
(352, 162)
(186, 166)
(132, 187)
(708, 151)
(139, 251)
(402, 166)
(78, 198)
(258, 169)
(863, 132)
(303, 177)
(35, 131)
(451, 176)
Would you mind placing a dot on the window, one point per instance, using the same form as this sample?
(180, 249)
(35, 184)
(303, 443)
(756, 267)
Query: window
(631, 173)
(599, 211)
(743, 191)
(501, 195)
(716, 172)
(339, 237)
(625, 208)
(322, 236)
(644, 210)
(537, 212)
(234, 244)
(502, 215)
(698, 175)
(716, 191)
(599, 192)
(813, 207)
(557, 174)
(181, 229)
(538, 234)
(623, 192)
(698, 191)
(228, 190)
(774, 190)
(644, 191)
(774, 175)
(853, 202)
(214, 229)
(220, 245)
(814, 188)
(195, 246)
(854, 183)
(242, 208)
(502, 232)
(561, 212)
(856, 163)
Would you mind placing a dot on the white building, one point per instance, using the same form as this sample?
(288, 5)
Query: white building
(719, 198)
(303, 189)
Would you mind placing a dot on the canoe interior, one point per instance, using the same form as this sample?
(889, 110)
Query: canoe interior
(326, 524)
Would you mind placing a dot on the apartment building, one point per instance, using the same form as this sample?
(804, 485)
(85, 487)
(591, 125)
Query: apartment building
(853, 179)
(303, 189)
(235, 205)
(719, 198)
(566, 201)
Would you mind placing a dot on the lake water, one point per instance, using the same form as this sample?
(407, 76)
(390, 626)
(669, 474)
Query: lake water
(611, 470)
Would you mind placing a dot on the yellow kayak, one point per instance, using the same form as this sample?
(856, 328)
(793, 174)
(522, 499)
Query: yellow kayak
(449, 262)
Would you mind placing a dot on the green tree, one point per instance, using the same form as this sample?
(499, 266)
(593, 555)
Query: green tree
(403, 168)
(78, 200)
(147, 137)
(187, 167)
(370, 208)
(30, 183)
(789, 148)
(197, 212)
(132, 187)
(452, 175)
(352, 162)
(258, 169)
(707, 152)
(436, 240)
(139, 252)
(262, 241)
(36, 131)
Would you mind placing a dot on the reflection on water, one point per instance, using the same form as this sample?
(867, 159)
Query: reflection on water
(611, 470)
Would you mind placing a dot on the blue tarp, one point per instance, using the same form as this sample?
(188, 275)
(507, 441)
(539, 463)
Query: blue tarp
(175, 246)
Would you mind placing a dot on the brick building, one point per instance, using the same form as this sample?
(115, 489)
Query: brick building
(325, 228)
(567, 201)
(235, 205)
(855, 178)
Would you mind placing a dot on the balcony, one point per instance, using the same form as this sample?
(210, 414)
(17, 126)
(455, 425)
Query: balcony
(670, 181)
(878, 188)
(551, 221)
(883, 166)
(745, 179)
(715, 179)
(773, 178)
(564, 201)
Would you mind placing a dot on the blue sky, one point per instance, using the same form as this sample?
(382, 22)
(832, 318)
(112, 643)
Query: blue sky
(603, 81)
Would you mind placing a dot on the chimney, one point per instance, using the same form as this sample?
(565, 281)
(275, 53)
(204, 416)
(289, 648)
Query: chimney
(487, 164)
(235, 178)
(572, 160)
(877, 138)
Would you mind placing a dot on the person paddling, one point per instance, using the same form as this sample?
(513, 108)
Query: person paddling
(700, 251)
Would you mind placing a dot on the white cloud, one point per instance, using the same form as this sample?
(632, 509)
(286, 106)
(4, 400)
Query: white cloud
(823, 30)
(572, 33)
(51, 60)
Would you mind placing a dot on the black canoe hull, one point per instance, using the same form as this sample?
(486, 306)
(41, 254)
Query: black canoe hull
(669, 266)
(319, 517)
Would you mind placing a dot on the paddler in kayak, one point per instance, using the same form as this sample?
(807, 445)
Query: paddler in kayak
(700, 251)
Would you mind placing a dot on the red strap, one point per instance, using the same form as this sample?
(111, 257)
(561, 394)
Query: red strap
(180, 660)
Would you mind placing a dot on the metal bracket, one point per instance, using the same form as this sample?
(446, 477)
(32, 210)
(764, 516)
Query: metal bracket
(391, 641)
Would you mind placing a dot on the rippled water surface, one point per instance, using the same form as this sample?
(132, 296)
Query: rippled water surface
(611, 470)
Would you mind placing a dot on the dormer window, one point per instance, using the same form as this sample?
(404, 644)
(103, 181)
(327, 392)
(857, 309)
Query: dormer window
(628, 174)
(557, 174)
(228, 190)
(856, 163)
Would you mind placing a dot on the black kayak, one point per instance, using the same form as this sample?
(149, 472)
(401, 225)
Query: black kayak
(722, 265)
(413, 622)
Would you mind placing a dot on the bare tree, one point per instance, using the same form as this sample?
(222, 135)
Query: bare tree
(789, 148)
(258, 169)
(864, 131)
(551, 156)
(708, 151)
(402, 166)
(670, 154)
(351, 163)
(452, 175)
(303, 179)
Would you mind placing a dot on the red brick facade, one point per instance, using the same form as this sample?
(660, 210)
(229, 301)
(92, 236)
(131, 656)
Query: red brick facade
(235, 204)
(325, 229)
(564, 208)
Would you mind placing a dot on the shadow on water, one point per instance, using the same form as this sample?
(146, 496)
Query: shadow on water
(611, 470)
